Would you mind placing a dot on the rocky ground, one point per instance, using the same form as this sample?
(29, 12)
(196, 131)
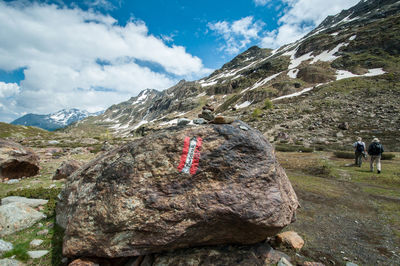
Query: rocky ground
(347, 214)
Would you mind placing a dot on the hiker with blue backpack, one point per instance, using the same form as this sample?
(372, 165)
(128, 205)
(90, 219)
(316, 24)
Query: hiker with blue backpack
(359, 151)
(375, 150)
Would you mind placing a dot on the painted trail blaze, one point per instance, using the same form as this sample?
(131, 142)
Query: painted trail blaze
(190, 155)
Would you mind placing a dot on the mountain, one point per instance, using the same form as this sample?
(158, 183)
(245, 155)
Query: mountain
(55, 120)
(344, 72)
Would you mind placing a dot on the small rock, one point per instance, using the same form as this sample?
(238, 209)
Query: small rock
(290, 239)
(339, 135)
(19, 215)
(53, 142)
(10, 262)
(223, 120)
(344, 126)
(207, 115)
(35, 243)
(5, 246)
(244, 128)
(27, 201)
(284, 262)
(183, 121)
(312, 263)
(199, 121)
(78, 150)
(351, 264)
(12, 181)
(35, 254)
(39, 225)
(43, 232)
(106, 146)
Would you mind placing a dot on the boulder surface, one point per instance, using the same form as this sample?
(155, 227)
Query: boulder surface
(181, 187)
(66, 169)
(17, 161)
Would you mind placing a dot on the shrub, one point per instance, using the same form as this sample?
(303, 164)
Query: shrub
(319, 169)
(292, 148)
(256, 113)
(268, 104)
(344, 154)
(388, 156)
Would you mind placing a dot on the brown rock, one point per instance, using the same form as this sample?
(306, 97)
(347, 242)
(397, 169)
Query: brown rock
(135, 199)
(17, 161)
(290, 239)
(312, 263)
(344, 126)
(66, 169)
(97, 262)
(223, 120)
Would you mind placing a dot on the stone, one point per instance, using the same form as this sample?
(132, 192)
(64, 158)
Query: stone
(43, 232)
(35, 254)
(339, 135)
(312, 263)
(99, 261)
(78, 150)
(106, 146)
(290, 239)
(351, 264)
(143, 197)
(207, 115)
(12, 181)
(17, 161)
(17, 216)
(257, 254)
(66, 169)
(199, 121)
(183, 121)
(53, 142)
(30, 202)
(5, 246)
(344, 126)
(223, 120)
(10, 262)
(284, 262)
(35, 243)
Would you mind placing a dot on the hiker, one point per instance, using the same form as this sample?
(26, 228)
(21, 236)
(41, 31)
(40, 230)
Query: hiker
(375, 150)
(359, 151)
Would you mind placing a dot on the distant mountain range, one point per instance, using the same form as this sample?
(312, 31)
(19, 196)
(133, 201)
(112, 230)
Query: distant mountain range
(55, 120)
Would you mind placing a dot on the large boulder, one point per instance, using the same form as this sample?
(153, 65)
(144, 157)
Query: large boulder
(181, 187)
(17, 161)
(66, 169)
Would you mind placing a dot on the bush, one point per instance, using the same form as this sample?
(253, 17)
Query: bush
(292, 148)
(344, 154)
(256, 113)
(268, 104)
(388, 156)
(319, 169)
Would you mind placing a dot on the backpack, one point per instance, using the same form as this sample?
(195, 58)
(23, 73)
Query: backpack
(359, 147)
(375, 148)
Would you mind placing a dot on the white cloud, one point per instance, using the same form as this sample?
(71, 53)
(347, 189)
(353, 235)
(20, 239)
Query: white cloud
(8, 89)
(59, 48)
(237, 34)
(300, 17)
(261, 2)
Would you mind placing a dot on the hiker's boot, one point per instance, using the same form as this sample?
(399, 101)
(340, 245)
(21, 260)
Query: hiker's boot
(379, 171)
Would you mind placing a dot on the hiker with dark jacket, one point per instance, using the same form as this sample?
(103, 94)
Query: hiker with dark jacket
(359, 151)
(375, 150)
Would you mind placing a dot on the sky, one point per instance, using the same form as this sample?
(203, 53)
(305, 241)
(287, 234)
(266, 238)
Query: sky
(90, 54)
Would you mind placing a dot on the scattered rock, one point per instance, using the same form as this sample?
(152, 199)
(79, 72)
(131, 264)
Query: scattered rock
(223, 120)
(244, 128)
(30, 202)
(35, 254)
(53, 142)
(344, 126)
(339, 135)
(10, 262)
(199, 121)
(12, 181)
(290, 239)
(43, 232)
(208, 107)
(17, 216)
(311, 263)
(66, 169)
(284, 262)
(258, 254)
(5, 246)
(35, 243)
(207, 115)
(351, 264)
(78, 150)
(183, 121)
(99, 261)
(17, 161)
(106, 146)
(144, 200)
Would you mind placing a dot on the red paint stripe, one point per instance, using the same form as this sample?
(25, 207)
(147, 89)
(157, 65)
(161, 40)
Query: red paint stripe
(184, 153)
(196, 158)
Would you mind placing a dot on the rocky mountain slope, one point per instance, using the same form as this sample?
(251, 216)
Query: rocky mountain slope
(343, 73)
(55, 120)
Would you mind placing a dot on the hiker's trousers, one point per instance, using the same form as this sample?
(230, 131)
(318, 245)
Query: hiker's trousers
(377, 159)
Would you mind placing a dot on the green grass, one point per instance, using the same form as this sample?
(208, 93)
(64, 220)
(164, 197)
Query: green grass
(22, 132)
(350, 155)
